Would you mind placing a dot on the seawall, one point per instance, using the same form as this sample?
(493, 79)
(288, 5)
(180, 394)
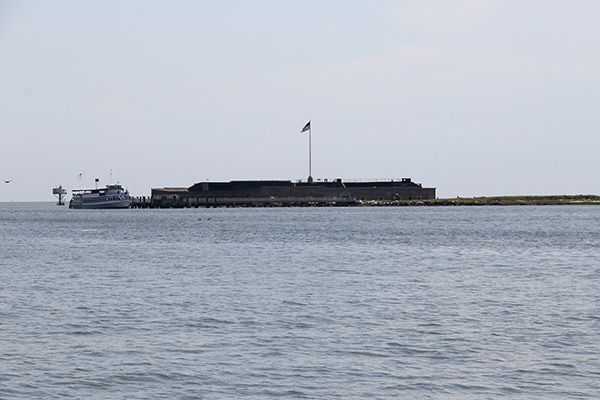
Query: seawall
(146, 202)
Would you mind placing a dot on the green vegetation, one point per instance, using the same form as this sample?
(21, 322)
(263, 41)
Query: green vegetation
(507, 200)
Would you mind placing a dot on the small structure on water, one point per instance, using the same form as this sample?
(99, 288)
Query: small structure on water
(60, 194)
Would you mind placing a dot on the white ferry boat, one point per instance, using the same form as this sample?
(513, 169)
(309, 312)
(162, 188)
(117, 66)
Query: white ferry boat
(111, 196)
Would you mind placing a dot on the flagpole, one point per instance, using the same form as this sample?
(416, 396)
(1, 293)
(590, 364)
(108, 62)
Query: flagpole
(310, 152)
(308, 128)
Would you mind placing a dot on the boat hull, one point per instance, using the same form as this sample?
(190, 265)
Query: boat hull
(100, 204)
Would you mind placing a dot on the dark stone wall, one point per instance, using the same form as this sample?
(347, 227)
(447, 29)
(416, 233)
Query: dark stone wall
(297, 194)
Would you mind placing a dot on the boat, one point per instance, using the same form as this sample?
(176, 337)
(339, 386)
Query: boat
(111, 196)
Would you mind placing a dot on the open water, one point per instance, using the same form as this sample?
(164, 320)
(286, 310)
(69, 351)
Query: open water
(300, 303)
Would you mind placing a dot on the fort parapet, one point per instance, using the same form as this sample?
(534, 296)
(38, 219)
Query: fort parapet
(287, 193)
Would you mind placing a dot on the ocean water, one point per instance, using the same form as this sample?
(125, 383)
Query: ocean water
(300, 303)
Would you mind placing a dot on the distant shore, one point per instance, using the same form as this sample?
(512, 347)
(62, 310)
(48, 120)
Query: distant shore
(581, 199)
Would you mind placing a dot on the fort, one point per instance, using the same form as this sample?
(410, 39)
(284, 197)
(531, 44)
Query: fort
(260, 193)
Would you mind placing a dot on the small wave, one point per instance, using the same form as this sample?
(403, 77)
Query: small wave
(85, 332)
(217, 321)
(368, 353)
(293, 303)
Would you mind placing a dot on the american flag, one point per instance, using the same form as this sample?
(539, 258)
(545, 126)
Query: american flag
(306, 127)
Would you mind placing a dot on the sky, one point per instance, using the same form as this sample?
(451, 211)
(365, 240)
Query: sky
(472, 97)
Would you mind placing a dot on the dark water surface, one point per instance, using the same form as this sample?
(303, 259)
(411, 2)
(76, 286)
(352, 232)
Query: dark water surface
(314, 303)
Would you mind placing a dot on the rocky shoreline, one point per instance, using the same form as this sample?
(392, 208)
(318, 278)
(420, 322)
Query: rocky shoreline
(490, 201)
(459, 201)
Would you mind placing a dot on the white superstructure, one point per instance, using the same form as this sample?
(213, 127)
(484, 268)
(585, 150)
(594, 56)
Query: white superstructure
(112, 196)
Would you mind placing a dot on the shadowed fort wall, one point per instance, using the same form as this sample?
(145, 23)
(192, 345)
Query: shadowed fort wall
(286, 195)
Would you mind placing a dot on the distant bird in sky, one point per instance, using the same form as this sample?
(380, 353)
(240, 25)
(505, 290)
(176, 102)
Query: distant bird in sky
(8, 181)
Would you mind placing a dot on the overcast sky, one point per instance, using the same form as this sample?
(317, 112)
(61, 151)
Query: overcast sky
(473, 97)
